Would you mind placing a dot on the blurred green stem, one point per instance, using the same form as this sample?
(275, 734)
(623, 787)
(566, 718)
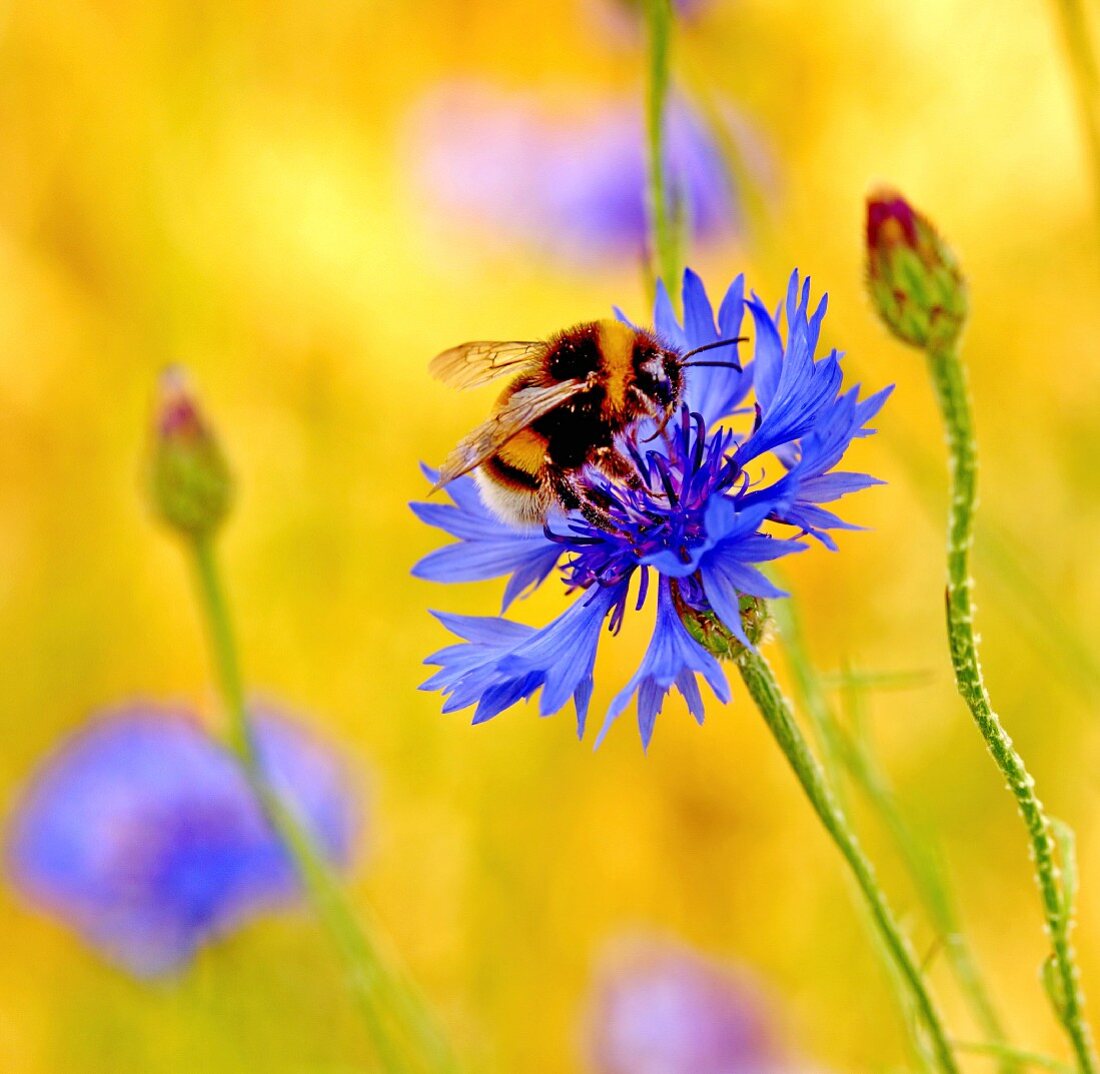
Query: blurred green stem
(1016, 1055)
(666, 254)
(840, 749)
(1074, 20)
(377, 990)
(762, 685)
(1061, 976)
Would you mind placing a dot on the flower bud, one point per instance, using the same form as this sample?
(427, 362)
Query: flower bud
(189, 480)
(912, 275)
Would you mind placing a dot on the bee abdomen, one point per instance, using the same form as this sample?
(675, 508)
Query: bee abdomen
(512, 477)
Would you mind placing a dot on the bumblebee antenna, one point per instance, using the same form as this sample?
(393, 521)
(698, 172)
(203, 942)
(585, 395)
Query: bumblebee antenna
(716, 343)
(710, 347)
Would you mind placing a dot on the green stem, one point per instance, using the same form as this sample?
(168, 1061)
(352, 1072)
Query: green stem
(949, 379)
(841, 749)
(1016, 1055)
(1083, 67)
(762, 685)
(666, 258)
(378, 992)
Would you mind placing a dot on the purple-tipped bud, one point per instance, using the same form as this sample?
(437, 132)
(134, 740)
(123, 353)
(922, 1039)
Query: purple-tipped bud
(189, 479)
(912, 275)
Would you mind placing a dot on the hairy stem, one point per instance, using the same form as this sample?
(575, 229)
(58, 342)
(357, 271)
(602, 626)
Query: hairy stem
(949, 379)
(762, 685)
(378, 991)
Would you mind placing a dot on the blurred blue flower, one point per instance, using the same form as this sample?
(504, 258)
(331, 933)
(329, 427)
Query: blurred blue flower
(142, 833)
(572, 185)
(661, 1009)
(695, 520)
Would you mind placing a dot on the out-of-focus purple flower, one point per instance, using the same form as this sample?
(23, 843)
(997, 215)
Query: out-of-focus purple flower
(142, 833)
(572, 183)
(661, 1009)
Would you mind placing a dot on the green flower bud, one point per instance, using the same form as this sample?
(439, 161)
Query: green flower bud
(189, 480)
(912, 276)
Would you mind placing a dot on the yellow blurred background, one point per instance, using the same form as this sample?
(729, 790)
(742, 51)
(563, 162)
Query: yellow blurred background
(225, 185)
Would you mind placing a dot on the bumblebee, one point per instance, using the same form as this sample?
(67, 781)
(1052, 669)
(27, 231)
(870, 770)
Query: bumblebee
(571, 397)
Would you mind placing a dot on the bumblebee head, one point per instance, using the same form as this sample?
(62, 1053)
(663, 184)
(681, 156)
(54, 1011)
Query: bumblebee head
(658, 378)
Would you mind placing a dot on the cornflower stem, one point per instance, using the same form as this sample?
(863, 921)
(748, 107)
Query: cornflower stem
(666, 258)
(1074, 19)
(844, 751)
(1061, 978)
(378, 991)
(774, 707)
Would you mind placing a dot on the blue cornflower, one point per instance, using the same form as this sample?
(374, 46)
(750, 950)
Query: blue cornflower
(142, 833)
(695, 526)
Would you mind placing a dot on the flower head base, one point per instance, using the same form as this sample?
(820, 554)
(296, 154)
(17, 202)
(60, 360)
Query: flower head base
(143, 834)
(912, 274)
(189, 479)
(718, 492)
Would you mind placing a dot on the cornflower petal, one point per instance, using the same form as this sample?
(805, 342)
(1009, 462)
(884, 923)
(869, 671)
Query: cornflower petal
(504, 662)
(565, 650)
(672, 659)
(486, 547)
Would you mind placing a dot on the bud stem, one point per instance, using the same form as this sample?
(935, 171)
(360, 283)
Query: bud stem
(774, 707)
(949, 380)
(378, 989)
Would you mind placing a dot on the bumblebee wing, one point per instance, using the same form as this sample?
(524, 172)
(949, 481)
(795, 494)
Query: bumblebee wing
(471, 364)
(521, 408)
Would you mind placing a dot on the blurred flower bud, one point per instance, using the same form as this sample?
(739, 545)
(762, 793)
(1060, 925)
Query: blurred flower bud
(189, 480)
(913, 278)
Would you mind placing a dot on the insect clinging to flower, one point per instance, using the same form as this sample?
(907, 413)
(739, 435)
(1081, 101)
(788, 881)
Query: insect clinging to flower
(687, 483)
(571, 398)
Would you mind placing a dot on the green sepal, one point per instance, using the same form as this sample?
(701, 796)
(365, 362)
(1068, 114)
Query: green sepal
(706, 628)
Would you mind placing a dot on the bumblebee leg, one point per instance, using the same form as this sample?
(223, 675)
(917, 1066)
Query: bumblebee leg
(593, 505)
(618, 467)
